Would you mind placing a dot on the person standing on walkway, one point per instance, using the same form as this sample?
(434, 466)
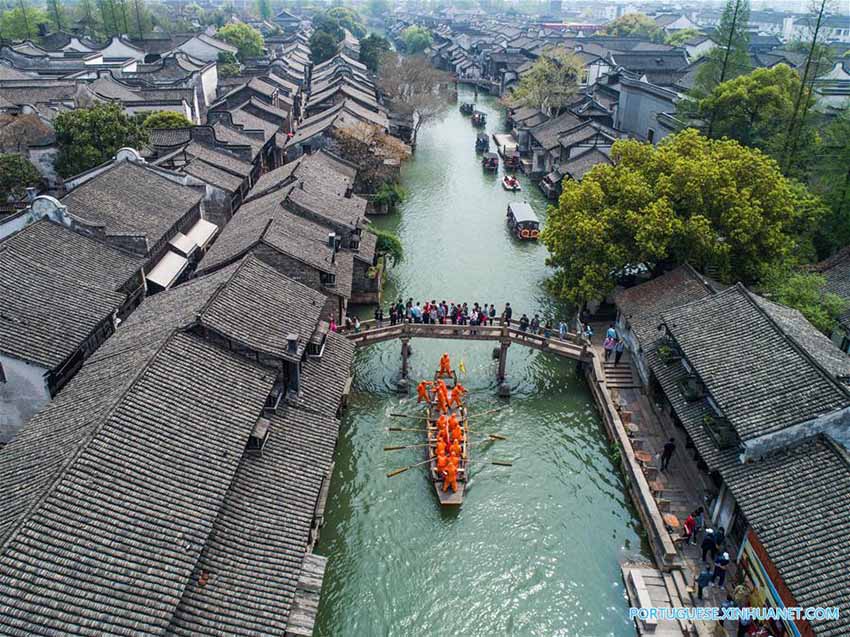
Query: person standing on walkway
(492, 313)
(708, 545)
(721, 562)
(719, 539)
(608, 345)
(703, 580)
(612, 332)
(562, 330)
(508, 313)
(379, 316)
(619, 348)
(688, 527)
(535, 324)
(667, 453)
(523, 323)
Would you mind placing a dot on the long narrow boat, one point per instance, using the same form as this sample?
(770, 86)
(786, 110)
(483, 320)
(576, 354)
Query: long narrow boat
(449, 497)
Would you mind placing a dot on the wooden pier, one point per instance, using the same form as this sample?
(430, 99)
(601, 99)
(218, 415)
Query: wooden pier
(572, 347)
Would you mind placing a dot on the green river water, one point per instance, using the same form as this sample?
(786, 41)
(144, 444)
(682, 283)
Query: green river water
(535, 549)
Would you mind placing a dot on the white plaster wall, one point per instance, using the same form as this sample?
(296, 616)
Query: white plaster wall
(22, 395)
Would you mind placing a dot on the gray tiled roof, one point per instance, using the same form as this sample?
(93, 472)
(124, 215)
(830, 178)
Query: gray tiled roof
(114, 538)
(643, 304)
(212, 175)
(797, 519)
(324, 378)
(131, 199)
(91, 262)
(259, 307)
(762, 381)
(274, 178)
(255, 552)
(220, 158)
(46, 314)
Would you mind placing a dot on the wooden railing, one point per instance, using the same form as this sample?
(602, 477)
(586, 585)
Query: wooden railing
(573, 346)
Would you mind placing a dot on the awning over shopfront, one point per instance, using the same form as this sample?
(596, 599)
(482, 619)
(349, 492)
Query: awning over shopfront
(168, 270)
(202, 233)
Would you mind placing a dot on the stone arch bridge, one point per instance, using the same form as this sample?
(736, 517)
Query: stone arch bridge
(573, 346)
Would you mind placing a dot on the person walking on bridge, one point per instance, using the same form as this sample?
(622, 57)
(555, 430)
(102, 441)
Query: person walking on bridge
(508, 314)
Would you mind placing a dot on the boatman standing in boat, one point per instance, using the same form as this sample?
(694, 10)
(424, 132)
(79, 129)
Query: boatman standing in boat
(445, 365)
(422, 390)
(451, 478)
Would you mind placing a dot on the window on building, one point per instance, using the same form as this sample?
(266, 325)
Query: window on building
(2, 374)
(650, 135)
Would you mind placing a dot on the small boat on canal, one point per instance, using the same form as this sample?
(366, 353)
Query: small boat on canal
(510, 158)
(511, 183)
(479, 118)
(490, 161)
(482, 143)
(467, 109)
(438, 424)
(522, 221)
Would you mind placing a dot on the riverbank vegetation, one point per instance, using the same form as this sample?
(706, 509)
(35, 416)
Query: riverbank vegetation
(388, 245)
(719, 205)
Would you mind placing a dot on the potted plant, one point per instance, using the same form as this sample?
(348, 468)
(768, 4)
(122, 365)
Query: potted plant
(692, 389)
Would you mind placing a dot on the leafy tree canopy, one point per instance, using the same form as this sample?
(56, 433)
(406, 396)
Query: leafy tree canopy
(167, 119)
(732, 34)
(389, 245)
(247, 39)
(634, 25)
(831, 178)
(264, 9)
(378, 8)
(88, 137)
(679, 38)
(349, 19)
(322, 46)
(709, 202)
(372, 47)
(16, 175)
(325, 23)
(21, 22)
(755, 108)
(551, 84)
(805, 291)
(415, 39)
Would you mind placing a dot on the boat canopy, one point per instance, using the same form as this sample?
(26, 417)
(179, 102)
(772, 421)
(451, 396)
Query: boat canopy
(522, 212)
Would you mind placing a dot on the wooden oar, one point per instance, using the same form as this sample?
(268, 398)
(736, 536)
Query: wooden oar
(428, 444)
(422, 431)
(403, 469)
(489, 411)
(409, 416)
(501, 463)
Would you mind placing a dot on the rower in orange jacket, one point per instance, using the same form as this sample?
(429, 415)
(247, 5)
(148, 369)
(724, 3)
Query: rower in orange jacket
(455, 448)
(445, 365)
(457, 434)
(442, 403)
(442, 464)
(453, 422)
(422, 390)
(451, 479)
(441, 447)
(457, 394)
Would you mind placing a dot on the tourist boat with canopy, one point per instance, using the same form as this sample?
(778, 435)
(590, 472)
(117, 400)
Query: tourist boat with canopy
(522, 221)
(482, 142)
(467, 108)
(479, 118)
(511, 183)
(490, 162)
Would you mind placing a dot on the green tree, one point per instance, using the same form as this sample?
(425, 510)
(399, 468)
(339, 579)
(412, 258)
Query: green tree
(680, 37)
(88, 137)
(415, 39)
(709, 202)
(264, 9)
(378, 8)
(372, 47)
(805, 291)
(348, 19)
(634, 25)
(21, 23)
(87, 17)
(388, 245)
(228, 65)
(322, 46)
(730, 58)
(140, 19)
(167, 119)
(323, 22)
(16, 175)
(755, 108)
(246, 39)
(551, 84)
(57, 14)
(831, 178)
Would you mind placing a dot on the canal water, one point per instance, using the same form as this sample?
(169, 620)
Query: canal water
(535, 549)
